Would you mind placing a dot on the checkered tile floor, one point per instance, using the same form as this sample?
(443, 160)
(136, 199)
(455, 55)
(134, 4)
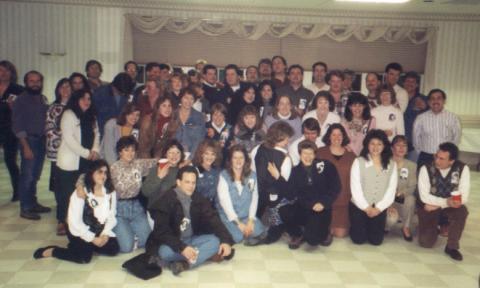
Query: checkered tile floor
(396, 263)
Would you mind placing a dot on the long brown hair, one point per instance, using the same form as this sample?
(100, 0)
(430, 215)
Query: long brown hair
(202, 147)
(246, 171)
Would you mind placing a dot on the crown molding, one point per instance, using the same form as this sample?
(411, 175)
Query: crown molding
(237, 11)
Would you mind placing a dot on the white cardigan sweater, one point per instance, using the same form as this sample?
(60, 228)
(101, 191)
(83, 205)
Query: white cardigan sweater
(70, 151)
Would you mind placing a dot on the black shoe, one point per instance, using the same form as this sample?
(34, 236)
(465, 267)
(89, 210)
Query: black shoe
(328, 241)
(41, 209)
(295, 242)
(178, 267)
(407, 238)
(229, 257)
(454, 254)
(38, 254)
(30, 215)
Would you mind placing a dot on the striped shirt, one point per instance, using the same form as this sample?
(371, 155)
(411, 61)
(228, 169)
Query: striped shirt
(430, 130)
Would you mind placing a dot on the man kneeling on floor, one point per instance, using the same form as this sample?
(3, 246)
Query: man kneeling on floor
(444, 186)
(187, 231)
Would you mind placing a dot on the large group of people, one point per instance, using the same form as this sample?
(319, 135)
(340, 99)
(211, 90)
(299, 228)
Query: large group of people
(187, 167)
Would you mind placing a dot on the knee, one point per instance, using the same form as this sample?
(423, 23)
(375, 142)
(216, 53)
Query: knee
(125, 245)
(460, 213)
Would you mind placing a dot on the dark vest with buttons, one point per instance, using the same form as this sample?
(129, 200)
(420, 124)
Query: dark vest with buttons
(88, 216)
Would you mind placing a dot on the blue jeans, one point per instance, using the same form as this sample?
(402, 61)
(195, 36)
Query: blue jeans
(131, 221)
(237, 235)
(207, 246)
(30, 172)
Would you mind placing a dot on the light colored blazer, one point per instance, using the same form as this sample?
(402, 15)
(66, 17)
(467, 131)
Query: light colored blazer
(71, 149)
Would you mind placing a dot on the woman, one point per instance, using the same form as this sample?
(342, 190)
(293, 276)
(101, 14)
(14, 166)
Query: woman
(336, 152)
(373, 181)
(388, 116)
(273, 167)
(174, 88)
(279, 71)
(156, 129)
(267, 96)
(124, 125)
(79, 146)
(9, 90)
(127, 175)
(147, 100)
(78, 81)
(189, 123)
(91, 219)
(207, 160)
(238, 198)
(201, 103)
(63, 90)
(404, 205)
(316, 185)
(358, 121)
(322, 108)
(249, 130)
(161, 178)
(285, 111)
(248, 97)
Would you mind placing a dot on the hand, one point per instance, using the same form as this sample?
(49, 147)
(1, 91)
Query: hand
(190, 253)
(99, 241)
(225, 249)
(242, 227)
(453, 203)
(272, 169)
(430, 208)
(374, 212)
(249, 227)
(210, 132)
(93, 155)
(163, 170)
(388, 132)
(27, 153)
(318, 207)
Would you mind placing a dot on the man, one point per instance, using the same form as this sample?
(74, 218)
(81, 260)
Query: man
(392, 74)
(109, 100)
(131, 68)
(152, 71)
(299, 95)
(373, 83)
(251, 74)
(9, 91)
(319, 70)
(434, 127)
(94, 70)
(335, 79)
(28, 124)
(265, 69)
(233, 86)
(417, 104)
(212, 91)
(311, 132)
(444, 186)
(187, 231)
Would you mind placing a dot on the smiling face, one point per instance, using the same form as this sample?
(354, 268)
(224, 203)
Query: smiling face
(249, 95)
(165, 109)
(295, 77)
(231, 77)
(278, 66)
(336, 84)
(187, 101)
(436, 102)
(319, 73)
(128, 154)
(357, 110)
(65, 91)
(386, 98)
(85, 102)
(132, 70)
(173, 155)
(266, 93)
(132, 118)
(372, 83)
(100, 176)
(218, 118)
(307, 156)
(322, 106)
(392, 76)
(336, 138)
(375, 147)
(400, 149)
(187, 183)
(284, 106)
(250, 121)
(238, 160)
(208, 157)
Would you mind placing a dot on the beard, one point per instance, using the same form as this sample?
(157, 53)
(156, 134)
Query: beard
(35, 90)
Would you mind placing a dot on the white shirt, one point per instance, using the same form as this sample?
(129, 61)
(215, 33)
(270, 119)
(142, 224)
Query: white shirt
(332, 118)
(389, 118)
(358, 197)
(105, 213)
(431, 130)
(402, 97)
(226, 202)
(424, 187)
(286, 167)
(314, 88)
(293, 149)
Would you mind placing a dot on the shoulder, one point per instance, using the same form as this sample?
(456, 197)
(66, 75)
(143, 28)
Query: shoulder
(334, 117)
